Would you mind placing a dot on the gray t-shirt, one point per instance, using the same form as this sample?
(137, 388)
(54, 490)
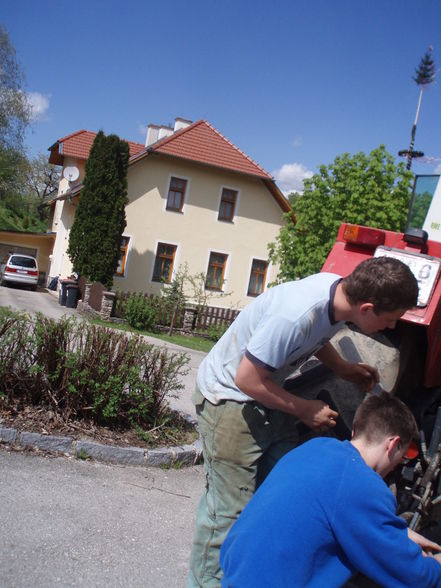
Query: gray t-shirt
(279, 331)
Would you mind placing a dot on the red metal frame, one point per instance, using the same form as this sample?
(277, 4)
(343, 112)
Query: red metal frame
(344, 257)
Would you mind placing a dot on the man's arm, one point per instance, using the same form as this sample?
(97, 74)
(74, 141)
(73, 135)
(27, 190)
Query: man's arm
(374, 539)
(426, 545)
(255, 381)
(359, 373)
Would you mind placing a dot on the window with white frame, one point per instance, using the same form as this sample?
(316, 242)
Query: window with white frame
(216, 271)
(164, 260)
(256, 285)
(176, 194)
(227, 206)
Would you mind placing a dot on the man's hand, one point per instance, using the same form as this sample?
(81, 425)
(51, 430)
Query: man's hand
(366, 376)
(256, 382)
(317, 415)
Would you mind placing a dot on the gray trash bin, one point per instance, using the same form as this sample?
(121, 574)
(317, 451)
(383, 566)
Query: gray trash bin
(62, 293)
(72, 296)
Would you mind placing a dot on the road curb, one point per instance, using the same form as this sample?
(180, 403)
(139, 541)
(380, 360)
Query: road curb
(184, 455)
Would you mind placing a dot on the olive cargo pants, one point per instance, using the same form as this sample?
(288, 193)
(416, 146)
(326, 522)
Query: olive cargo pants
(242, 441)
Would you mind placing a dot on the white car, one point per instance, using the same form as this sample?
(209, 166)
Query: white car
(20, 269)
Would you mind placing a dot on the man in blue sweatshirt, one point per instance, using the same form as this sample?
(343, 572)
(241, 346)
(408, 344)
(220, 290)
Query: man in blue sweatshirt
(325, 513)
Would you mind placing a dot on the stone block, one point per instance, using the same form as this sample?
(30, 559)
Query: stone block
(8, 435)
(128, 455)
(46, 442)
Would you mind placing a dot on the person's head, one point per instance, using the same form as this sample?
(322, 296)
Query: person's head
(384, 426)
(382, 289)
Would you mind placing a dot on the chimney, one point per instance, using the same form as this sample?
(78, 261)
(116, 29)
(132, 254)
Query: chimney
(152, 134)
(165, 131)
(181, 123)
(157, 132)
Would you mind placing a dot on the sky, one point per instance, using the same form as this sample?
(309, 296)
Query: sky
(292, 83)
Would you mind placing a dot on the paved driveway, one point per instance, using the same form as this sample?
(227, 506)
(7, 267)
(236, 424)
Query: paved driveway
(42, 301)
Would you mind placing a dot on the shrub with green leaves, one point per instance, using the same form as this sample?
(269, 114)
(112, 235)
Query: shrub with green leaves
(84, 371)
(215, 332)
(142, 312)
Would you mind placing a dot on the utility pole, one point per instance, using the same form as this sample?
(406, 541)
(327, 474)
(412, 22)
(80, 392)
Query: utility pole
(425, 75)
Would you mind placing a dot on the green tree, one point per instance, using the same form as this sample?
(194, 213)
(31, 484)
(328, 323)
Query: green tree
(22, 188)
(175, 296)
(420, 209)
(14, 107)
(14, 115)
(95, 237)
(363, 189)
(14, 118)
(42, 179)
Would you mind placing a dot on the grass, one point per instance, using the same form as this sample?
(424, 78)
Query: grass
(188, 341)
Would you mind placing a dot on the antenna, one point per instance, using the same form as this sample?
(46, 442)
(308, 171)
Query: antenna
(71, 173)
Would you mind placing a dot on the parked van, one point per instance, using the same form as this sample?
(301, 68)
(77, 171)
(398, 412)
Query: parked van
(20, 269)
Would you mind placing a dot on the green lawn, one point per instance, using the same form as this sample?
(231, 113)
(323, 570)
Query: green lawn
(191, 342)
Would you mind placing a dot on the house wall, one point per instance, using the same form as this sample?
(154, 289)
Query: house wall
(63, 220)
(196, 231)
(63, 217)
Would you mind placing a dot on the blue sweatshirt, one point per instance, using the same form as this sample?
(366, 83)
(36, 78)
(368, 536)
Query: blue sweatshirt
(320, 516)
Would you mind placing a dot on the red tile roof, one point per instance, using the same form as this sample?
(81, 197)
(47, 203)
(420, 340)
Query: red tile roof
(202, 143)
(78, 145)
(199, 142)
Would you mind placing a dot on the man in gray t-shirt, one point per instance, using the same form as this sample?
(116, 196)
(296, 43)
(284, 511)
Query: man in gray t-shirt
(247, 420)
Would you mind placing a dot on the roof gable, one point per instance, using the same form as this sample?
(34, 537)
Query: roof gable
(202, 143)
(78, 145)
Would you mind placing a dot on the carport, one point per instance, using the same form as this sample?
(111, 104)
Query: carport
(39, 245)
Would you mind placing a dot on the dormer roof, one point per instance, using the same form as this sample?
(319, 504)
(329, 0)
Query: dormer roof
(78, 145)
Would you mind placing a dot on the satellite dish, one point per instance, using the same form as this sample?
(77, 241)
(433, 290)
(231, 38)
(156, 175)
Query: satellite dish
(71, 173)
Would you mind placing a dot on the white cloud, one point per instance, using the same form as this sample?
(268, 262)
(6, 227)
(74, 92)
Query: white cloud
(438, 169)
(297, 141)
(142, 129)
(39, 104)
(290, 177)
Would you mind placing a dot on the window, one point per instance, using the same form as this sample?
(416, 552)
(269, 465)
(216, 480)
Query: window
(257, 277)
(227, 205)
(176, 193)
(165, 257)
(122, 256)
(216, 271)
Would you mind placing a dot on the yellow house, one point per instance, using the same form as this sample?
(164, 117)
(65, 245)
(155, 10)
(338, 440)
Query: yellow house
(194, 199)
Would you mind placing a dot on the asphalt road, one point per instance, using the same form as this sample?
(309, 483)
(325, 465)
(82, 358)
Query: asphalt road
(69, 523)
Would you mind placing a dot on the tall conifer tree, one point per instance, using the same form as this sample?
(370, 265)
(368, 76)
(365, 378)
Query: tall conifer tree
(95, 237)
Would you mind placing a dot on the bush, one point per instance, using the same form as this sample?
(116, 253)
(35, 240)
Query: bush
(80, 370)
(142, 312)
(215, 332)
